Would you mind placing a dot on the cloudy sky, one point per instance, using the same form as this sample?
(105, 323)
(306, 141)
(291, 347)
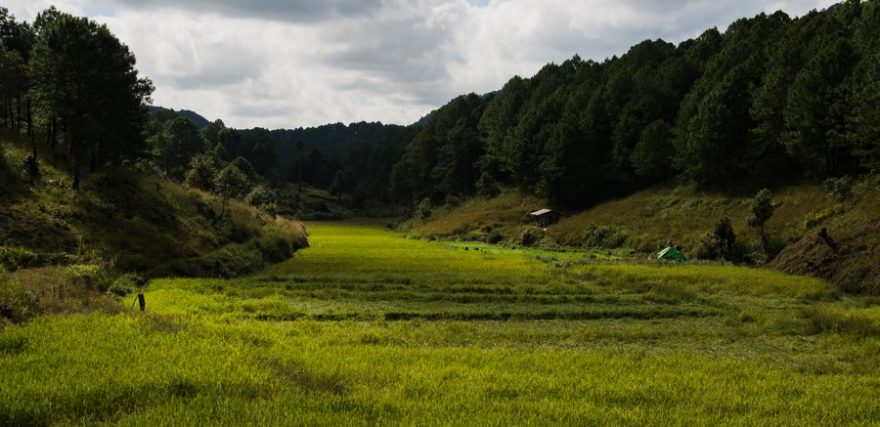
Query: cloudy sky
(291, 63)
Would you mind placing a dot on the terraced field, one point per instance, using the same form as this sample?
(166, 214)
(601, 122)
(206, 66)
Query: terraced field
(368, 327)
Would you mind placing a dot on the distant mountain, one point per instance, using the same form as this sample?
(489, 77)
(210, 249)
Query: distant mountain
(194, 117)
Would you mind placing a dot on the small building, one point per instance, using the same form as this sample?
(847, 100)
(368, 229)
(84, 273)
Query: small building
(545, 217)
(671, 254)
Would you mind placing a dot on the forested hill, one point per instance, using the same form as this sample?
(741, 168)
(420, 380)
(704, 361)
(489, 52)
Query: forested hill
(770, 100)
(169, 113)
(335, 138)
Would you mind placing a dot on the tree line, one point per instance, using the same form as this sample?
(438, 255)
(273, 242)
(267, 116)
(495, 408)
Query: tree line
(771, 99)
(71, 83)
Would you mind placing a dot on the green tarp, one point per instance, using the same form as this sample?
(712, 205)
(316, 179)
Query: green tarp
(671, 254)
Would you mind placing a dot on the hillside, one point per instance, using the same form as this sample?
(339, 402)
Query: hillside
(130, 222)
(652, 219)
(197, 119)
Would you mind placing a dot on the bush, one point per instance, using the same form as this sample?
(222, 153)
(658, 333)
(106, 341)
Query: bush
(201, 172)
(87, 276)
(817, 218)
(487, 186)
(263, 197)
(531, 235)
(127, 284)
(17, 303)
(493, 237)
(604, 237)
(234, 260)
(13, 258)
(423, 210)
(762, 209)
(840, 188)
(452, 201)
(720, 244)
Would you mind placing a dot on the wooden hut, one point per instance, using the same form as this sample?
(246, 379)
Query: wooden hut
(545, 217)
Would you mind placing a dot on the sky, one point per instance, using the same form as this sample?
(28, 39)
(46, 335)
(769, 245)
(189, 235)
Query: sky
(293, 63)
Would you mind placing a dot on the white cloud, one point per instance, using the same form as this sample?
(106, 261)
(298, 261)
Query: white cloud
(276, 63)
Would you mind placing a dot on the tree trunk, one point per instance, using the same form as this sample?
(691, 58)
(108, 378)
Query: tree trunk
(75, 151)
(18, 114)
(34, 147)
(93, 162)
(30, 119)
(53, 141)
(7, 110)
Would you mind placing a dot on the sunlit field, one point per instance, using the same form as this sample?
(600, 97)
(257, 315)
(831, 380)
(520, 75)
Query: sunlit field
(367, 327)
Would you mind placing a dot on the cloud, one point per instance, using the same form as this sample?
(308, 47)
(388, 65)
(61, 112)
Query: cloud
(275, 63)
(299, 11)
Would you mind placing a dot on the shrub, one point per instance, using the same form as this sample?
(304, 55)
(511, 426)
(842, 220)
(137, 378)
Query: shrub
(127, 284)
(487, 186)
(720, 244)
(263, 197)
(817, 218)
(762, 209)
(234, 260)
(493, 237)
(604, 237)
(17, 303)
(423, 210)
(201, 172)
(452, 201)
(531, 235)
(87, 276)
(840, 188)
(13, 258)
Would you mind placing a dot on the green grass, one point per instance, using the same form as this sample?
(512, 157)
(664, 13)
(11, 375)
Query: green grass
(367, 327)
(132, 222)
(649, 220)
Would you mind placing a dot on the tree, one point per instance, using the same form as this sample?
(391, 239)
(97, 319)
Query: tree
(211, 133)
(83, 74)
(815, 116)
(653, 153)
(245, 167)
(762, 210)
(175, 147)
(13, 85)
(201, 172)
(229, 183)
(721, 243)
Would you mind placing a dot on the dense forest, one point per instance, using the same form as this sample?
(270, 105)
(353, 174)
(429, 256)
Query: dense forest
(66, 79)
(772, 99)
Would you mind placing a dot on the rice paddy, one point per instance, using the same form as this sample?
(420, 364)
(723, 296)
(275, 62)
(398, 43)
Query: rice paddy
(367, 327)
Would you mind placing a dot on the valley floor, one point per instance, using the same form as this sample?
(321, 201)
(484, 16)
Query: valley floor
(368, 327)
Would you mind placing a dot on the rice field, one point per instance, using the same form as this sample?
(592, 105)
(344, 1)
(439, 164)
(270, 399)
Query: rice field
(367, 327)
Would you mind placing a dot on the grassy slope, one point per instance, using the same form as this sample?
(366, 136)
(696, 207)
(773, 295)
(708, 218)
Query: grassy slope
(137, 223)
(478, 218)
(583, 343)
(652, 219)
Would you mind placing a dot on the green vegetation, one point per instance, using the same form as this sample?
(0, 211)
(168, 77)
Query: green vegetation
(367, 327)
(129, 222)
(769, 101)
(792, 238)
(504, 322)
